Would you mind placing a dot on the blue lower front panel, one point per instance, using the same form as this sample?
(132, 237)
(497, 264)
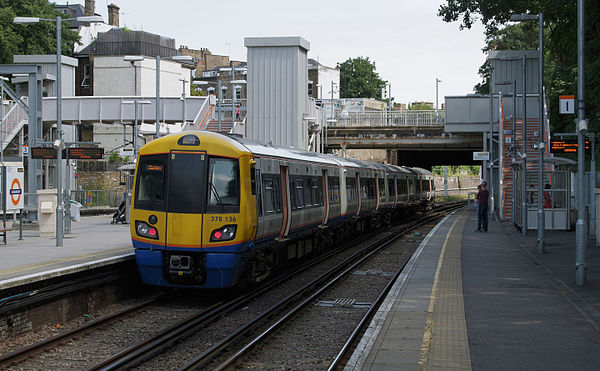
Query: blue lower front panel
(222, 270)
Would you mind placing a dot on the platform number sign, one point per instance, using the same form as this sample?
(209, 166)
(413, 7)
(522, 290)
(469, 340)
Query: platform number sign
(14, 187)
(567, 104)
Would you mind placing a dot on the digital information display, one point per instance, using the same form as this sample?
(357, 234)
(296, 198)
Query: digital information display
(43, 153)
(86, 153)
(48, 153)
(566, 145)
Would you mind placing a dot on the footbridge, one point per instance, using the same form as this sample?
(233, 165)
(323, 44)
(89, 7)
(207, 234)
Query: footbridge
(414, 138)
(198, 111)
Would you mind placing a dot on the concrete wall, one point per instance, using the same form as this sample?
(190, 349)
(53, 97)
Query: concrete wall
(48, 64)
(114, 76)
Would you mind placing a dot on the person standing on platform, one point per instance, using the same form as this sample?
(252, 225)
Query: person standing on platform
(482, 212)
(237, 113)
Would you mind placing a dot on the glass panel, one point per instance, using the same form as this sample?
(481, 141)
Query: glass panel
(187, 178)
(268, 195)
(150, 184)
(333, 189)
(560, 199)
(559, 180)
(350, 189)
(308, 201)
(223, 181)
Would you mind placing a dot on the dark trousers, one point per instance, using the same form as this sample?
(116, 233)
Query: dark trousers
(482, 218)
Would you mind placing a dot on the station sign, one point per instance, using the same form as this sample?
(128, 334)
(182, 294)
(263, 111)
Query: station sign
(14, 187)
(568, 145)
(481, 156)
(566, 104)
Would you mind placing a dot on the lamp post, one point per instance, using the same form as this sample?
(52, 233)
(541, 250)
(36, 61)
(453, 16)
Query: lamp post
(183, 82)
(541, 147)
(59, 200)
(582, 127)
(2, 128)
(136, 103)
(177, 58)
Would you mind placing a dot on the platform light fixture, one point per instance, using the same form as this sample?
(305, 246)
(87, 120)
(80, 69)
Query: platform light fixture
(60, 207)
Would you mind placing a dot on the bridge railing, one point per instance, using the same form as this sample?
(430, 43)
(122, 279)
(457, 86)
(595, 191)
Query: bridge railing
(397, 118)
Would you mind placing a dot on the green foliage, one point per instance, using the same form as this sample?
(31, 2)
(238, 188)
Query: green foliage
(419, 107)
(456, 170)
(358, 79)
(39, 38)
(560, 48)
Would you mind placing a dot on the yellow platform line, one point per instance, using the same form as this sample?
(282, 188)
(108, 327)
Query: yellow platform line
(445, 343)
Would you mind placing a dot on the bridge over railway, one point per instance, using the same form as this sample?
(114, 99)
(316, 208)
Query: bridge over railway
(414, 138)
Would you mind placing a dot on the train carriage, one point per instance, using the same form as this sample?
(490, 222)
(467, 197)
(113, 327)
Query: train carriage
(212, 210)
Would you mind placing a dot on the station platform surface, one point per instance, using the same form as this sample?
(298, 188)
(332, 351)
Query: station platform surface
(487, 301)
(93, 242)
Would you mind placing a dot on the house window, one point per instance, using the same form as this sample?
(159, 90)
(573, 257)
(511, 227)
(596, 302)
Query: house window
(85, 82)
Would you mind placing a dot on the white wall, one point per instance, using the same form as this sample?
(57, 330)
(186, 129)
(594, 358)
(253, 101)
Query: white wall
(326, 76)
(114, 76)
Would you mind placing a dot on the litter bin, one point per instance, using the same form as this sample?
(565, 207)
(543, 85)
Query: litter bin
(75, 207)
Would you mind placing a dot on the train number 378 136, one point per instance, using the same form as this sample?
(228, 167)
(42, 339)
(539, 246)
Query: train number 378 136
(223, 219)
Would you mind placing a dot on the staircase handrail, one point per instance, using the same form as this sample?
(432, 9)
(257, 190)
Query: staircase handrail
(12, 122)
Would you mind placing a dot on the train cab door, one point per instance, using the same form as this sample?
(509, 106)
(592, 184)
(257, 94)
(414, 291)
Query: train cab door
(187, 198)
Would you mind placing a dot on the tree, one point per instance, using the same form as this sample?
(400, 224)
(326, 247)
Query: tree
(358, 79)
(38, 38)
(560, 51)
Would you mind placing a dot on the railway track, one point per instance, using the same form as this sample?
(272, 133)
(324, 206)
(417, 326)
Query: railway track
(215, 319)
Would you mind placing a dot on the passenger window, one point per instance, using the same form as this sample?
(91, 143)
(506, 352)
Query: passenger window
(316, 192)
(350, 189)
(333, 191)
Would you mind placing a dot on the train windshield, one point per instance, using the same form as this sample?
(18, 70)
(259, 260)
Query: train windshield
(188, 182)
(224, 186)
(150, 184)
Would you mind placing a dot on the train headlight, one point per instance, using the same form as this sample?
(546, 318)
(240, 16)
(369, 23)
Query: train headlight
(144, 230)
(225, 233)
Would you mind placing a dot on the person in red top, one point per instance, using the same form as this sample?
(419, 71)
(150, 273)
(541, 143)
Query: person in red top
(237, 113)
(482, 212)
(547, 197)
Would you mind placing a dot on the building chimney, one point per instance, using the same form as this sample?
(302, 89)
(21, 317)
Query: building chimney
(90, 8)
(113, 15)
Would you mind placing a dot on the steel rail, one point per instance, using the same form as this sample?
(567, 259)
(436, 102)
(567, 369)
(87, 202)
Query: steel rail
(157, 343)
(344, 267)
(36, 348)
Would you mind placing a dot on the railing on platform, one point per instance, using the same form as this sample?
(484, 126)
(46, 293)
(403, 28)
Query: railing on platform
(97, 197)
(396, 118)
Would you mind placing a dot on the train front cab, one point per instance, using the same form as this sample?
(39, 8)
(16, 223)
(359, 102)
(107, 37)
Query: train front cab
(188, 225)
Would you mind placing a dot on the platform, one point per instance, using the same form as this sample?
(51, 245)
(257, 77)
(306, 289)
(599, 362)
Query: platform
(475, 300)
(93, 242)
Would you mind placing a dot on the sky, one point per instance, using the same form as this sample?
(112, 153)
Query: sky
(410, 45)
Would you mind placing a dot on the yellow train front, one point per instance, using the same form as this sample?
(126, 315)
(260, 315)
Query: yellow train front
(193, 216)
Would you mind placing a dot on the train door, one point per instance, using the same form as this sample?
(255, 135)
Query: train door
(286, 202)
(325, 197)
(359, 195)
(186, 199)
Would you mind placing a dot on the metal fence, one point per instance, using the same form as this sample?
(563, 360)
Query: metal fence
(102, 197)
(397, 118)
